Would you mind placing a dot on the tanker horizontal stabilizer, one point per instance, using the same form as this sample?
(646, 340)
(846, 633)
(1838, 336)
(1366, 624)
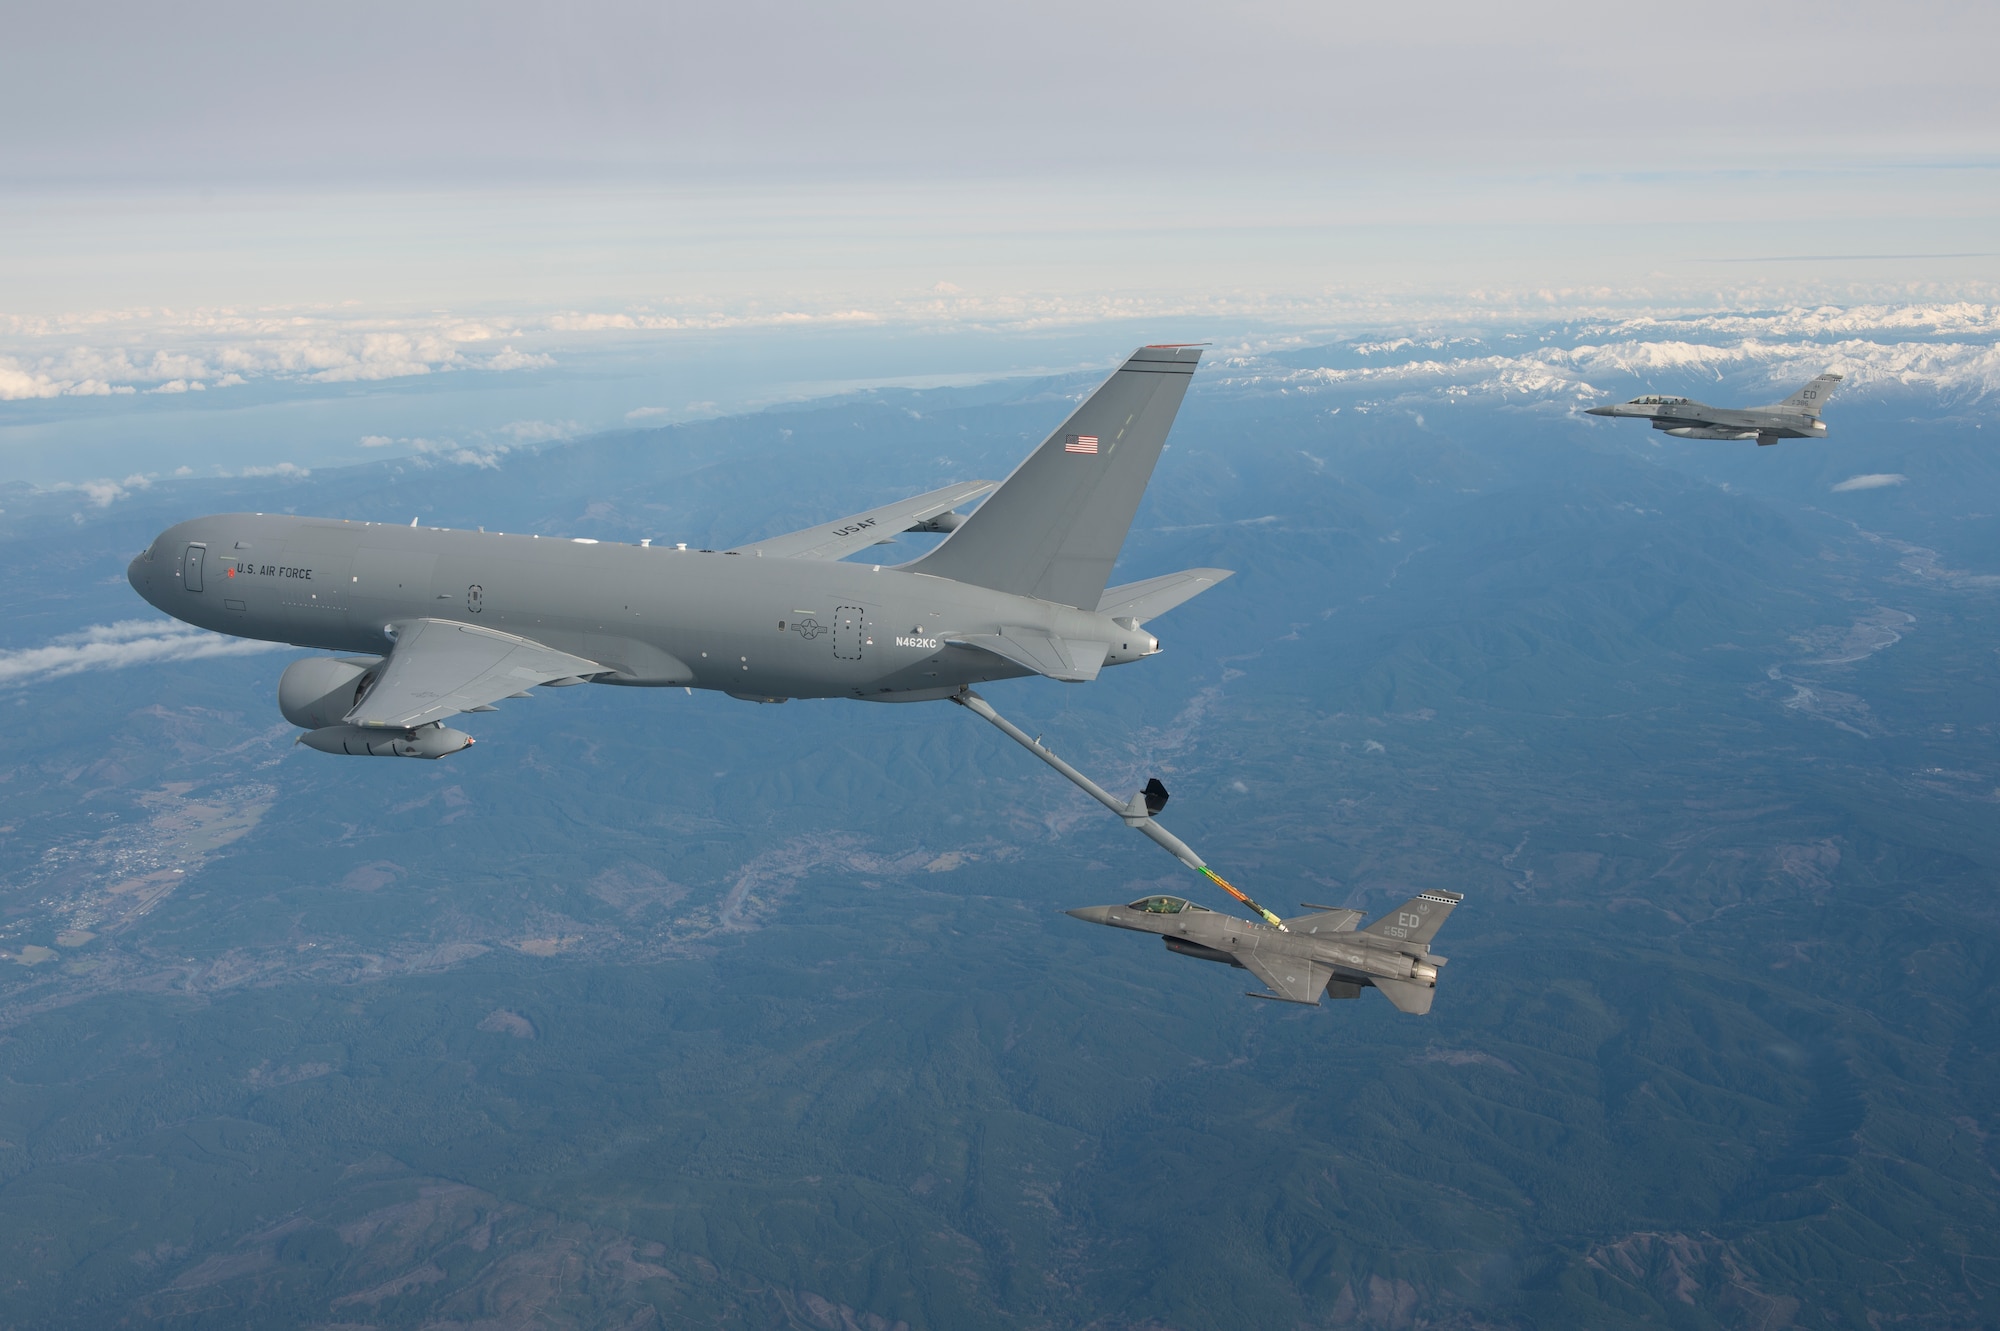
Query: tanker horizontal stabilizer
(439, 668)
(1043, 653)
(1141, 601)
(878, 526)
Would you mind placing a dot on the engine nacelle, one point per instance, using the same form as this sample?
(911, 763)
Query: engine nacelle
(431, 741)
(318, 691)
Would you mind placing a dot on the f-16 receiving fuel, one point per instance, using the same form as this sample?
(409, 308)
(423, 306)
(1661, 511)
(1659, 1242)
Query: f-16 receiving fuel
(1797, 417)
(1311, 955)
(435, 622)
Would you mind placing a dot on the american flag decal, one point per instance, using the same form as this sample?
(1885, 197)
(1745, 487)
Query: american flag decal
(1080, 443)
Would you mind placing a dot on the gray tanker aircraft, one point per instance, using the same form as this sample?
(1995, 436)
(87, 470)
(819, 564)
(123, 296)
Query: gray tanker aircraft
(433, 622)
(1797, 417)
(1309, 955)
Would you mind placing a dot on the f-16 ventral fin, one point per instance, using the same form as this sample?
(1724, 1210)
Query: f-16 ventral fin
(1054, 528)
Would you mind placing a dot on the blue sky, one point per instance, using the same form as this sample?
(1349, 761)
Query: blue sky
(600, 210)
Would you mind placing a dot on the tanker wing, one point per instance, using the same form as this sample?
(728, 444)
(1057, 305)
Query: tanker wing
(440, 668)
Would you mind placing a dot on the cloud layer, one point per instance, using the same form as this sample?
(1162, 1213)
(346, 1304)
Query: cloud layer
(1952, 350)
(129, 642)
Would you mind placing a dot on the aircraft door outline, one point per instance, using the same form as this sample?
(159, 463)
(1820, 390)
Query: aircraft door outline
(191, 566)
(848, 623)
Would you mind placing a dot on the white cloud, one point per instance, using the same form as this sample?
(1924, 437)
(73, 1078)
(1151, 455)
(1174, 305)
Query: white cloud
(128, 642)
(288, 469)
(1871, 481)
(104, 491)
(646, 413)
(376, 441)
(510, 359)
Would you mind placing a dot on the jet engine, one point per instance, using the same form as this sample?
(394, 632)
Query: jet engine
(318, 691)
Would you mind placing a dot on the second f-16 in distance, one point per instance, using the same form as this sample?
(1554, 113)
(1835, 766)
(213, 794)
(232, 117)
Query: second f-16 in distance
(1310, 955)
(1797, 417)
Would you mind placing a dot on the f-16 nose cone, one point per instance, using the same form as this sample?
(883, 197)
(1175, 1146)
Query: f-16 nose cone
(1094, 914)
(1597, 411)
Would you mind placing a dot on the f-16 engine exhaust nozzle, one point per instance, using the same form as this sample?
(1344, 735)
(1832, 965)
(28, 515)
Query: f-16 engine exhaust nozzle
(432, 741)
(1423, 973)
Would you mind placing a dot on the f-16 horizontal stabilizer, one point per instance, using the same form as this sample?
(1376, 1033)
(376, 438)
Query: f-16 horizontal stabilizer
(1416, 920)
(1408, 997)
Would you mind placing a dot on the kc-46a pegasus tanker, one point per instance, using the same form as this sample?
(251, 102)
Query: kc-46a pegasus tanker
(431, 623)
(1797, 417)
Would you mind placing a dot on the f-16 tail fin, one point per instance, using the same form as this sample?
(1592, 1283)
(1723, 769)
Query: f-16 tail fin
(1416, 920)
(1813, 396)
(1054, 528)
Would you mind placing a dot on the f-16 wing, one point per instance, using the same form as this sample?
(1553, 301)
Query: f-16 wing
(1293, 979)
(439, 668)
(838, 539)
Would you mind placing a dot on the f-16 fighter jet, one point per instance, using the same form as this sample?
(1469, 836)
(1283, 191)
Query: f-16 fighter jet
(1316, 954)
(1797, 417)
(430, 623)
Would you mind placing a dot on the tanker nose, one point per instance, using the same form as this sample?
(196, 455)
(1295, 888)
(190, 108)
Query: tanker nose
(1094, 914)
(139, 574)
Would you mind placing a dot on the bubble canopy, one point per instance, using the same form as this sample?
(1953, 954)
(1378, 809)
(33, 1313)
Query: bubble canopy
(1164, 905)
